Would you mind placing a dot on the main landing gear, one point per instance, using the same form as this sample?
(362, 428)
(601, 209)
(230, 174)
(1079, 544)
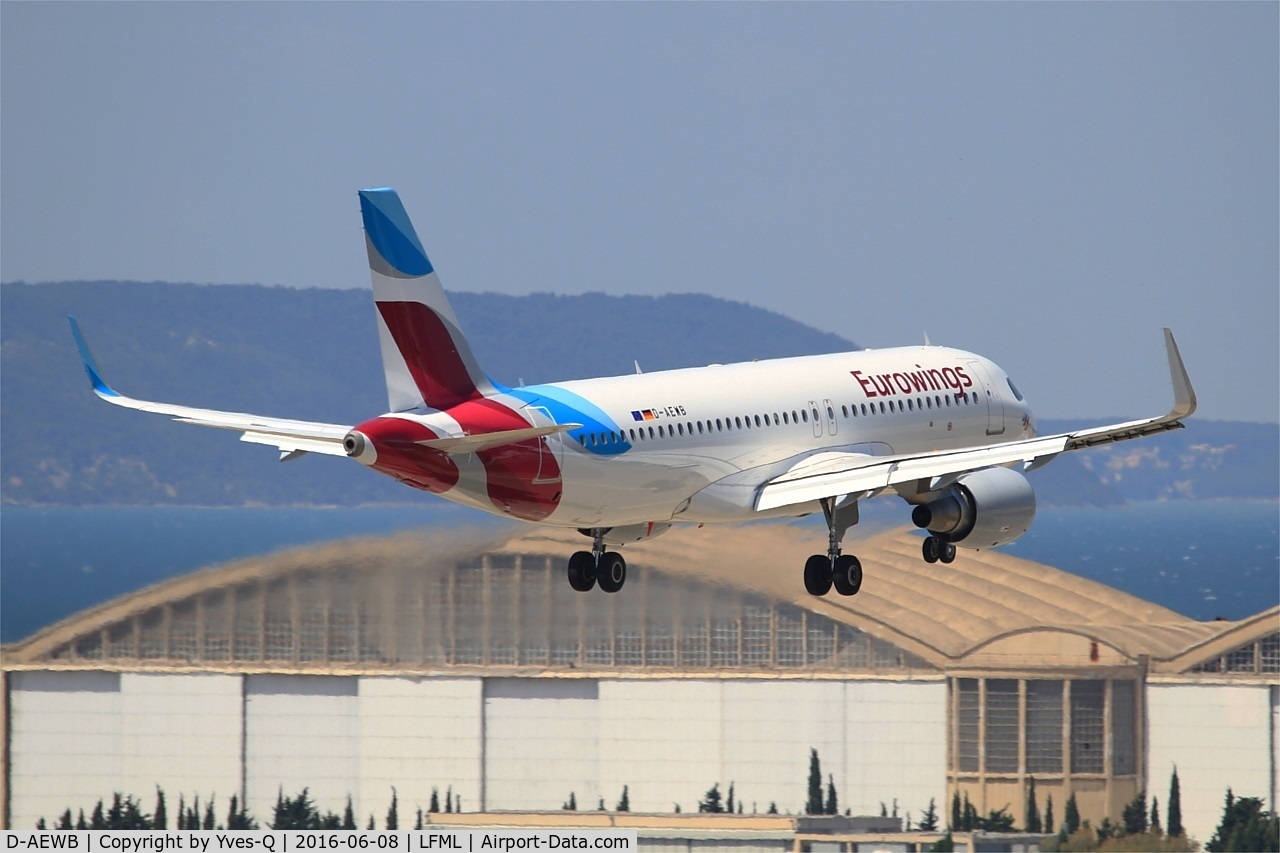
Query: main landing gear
(937, 550)
(843, 571)
(586, 568)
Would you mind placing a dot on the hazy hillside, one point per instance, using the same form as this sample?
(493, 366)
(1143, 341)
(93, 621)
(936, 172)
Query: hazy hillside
(312, 354)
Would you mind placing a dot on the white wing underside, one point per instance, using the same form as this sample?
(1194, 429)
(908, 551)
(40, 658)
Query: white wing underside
(839, 474)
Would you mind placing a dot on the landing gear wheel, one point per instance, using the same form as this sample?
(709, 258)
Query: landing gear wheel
(947, 552)
(582, 571)
(929, 548)
(847, 575)
(611, 571)
(817, 575)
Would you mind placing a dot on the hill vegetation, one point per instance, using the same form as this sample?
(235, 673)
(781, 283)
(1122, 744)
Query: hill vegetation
(313, 355)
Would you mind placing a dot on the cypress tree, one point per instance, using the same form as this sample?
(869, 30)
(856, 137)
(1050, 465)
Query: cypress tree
(349, 815)
(1155, 817)
(160, 819)
(434, 807)
(393, 813)
(773, 808)
(624, 803)
(1135, 815)
(1033, 808)
(448, 800)
(832, 805)
(814, 802)
(929, 820)
(572, 805)
(210, 822)
(1048, 814)
(80, 821)
(730, 806)
(955, 812)
(371, 825)
(418, 823)
(64, 822)
(98, 821)
(1175, 805)
(1071, 820)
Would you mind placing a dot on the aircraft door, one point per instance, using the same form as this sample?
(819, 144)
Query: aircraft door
(994, 402)
(829, 410)
(550, 448)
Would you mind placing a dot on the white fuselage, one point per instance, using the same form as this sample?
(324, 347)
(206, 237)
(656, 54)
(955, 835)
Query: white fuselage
(693, 445)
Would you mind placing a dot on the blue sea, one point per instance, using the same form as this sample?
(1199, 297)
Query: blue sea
(1202, 559)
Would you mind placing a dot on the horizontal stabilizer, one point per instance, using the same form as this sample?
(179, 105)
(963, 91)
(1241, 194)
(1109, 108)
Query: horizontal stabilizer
(484, 441)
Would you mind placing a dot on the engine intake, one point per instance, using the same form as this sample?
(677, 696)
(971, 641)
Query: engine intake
(982, 509)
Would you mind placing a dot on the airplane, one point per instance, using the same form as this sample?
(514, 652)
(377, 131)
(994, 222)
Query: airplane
(623, 458)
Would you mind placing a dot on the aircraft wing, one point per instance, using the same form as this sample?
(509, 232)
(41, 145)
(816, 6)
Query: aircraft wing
(855, 473)
(293, 438)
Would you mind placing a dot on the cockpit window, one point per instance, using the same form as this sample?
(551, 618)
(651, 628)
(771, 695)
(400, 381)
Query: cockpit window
(1014, 389)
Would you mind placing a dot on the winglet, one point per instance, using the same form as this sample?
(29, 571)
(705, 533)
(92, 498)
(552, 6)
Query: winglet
(1184, 396)
(100, 386)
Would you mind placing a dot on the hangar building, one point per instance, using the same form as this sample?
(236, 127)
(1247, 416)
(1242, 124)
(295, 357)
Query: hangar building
(425, 663)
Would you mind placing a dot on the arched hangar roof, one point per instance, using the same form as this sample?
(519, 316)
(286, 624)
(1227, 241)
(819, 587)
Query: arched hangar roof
(727, 599)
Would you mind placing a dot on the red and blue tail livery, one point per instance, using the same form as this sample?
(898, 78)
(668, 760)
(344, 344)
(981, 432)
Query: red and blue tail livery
(623, 458)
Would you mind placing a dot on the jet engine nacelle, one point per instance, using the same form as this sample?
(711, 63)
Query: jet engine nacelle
(981, 510)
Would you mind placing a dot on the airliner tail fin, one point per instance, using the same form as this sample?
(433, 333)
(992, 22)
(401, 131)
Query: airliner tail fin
(426, 358)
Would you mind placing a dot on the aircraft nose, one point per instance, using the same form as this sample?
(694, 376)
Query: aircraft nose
(359, 447)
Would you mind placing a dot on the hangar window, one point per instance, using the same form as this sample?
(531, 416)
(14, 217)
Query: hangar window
(1044, 726)
(1087, 750)
(1002, 725)
(966, 730)
(1123, 724)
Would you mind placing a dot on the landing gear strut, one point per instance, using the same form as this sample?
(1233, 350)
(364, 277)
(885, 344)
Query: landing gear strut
(843, 571)
(588, 567)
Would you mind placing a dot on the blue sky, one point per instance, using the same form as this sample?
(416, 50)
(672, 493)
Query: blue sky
(1047, 184)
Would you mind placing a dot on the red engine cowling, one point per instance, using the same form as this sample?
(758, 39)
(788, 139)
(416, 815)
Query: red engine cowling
(981, 509)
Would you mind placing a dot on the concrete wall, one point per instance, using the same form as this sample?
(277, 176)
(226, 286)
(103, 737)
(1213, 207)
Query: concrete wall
(1218, 736)
(499, 743)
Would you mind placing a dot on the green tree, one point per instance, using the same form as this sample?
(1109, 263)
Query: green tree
(160, 818)
(996, 821)
(372, 823)
(929, 820)
(1135, 815)
(1245, 826)
(448, 801)
(295, 812)
(955, 812)
(1156, 829)
(238, 817)
(349, 815)
(814, 804)
(832, 805)
(1175, 805)
(1048, 814)
(1071, 820)
(711, 801)
(417, 824)
(945, 844)
(80, 821)
(64, 822)
(773, 808)
(210, 822)
(624, 802)
(571, 805)
(730, 805)
(1033, 808)
(393, 812)
(434, 807)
